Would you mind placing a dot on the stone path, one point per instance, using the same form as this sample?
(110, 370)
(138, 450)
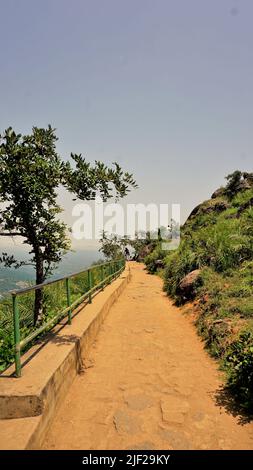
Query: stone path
(148, 383)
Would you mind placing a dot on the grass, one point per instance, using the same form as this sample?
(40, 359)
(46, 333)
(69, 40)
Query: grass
(218, 240)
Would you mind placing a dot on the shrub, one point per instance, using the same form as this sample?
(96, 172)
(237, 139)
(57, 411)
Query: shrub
(151, 260)
(218, 238)
(239, 364)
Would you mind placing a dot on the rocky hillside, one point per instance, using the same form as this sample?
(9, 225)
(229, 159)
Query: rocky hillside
(213, 269)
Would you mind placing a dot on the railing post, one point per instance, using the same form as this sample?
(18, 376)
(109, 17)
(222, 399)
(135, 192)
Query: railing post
(16, 335)
(102, 276)
(114, 269)
(90, 285)
(68, 300)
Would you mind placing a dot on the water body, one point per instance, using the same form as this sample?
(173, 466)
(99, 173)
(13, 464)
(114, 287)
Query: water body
(11, 278)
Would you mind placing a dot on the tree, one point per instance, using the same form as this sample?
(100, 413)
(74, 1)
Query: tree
(31, 172)
(113, 246)
(238, 181)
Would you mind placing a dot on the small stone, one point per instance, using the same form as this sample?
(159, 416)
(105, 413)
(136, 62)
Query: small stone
(138, 402)
(122, 388)
(178, 439)
(143, 446)
(87, 364)
(203, 421)
(124, 423)
(174, 410)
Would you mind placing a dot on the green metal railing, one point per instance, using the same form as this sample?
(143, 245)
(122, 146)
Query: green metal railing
(85, 282)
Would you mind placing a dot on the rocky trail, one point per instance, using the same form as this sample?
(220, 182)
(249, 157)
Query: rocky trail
(148, 383)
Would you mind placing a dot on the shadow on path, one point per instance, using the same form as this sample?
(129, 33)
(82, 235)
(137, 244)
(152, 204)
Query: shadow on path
(224, 399)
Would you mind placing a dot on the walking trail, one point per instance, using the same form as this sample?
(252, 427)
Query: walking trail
(148, 383)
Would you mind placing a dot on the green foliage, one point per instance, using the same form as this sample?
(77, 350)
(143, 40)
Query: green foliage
(142, 244)
(218, 241)
(86, 181)
(217, 238)
(238, 181)
(239, 363)
(242, 198)
(55, 301)
(178, 264)
(152, 260)
(31, 172)
(6, 348)
(112, 246)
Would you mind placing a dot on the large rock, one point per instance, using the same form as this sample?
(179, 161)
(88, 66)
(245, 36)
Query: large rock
(187, 285)
(125, 423)
(244, 185)
(212, 205)
(159, 263)
(218, 193)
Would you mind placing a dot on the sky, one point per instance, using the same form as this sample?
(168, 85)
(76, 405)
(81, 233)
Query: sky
(163, 87)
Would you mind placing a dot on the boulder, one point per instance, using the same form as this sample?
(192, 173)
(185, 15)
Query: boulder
(208, 207)
(187, 285)
(194, 212)
(159, 264)
(218, 193)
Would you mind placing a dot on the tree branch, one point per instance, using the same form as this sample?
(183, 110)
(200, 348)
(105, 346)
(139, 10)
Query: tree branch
(10, 234)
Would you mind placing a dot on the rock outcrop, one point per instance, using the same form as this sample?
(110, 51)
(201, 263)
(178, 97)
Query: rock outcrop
(189, 283)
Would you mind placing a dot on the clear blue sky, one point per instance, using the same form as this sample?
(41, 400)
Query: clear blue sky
(164, 87)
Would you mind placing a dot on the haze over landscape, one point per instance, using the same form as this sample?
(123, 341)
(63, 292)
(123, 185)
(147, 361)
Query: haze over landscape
(156, 86)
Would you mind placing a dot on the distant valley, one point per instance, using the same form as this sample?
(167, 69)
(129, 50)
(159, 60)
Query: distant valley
(11, 278)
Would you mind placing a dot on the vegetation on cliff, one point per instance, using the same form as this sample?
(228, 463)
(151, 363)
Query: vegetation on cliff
(213, 267)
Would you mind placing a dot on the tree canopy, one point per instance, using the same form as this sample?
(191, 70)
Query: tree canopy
(31, 172)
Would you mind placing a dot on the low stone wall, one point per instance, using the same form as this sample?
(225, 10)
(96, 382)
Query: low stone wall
(28, 404)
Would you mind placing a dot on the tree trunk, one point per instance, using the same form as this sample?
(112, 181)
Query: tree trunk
(38, 301)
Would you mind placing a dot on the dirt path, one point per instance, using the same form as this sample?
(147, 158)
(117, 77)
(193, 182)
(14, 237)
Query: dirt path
(151, 385)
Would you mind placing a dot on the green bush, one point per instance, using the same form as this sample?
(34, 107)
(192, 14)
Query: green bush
(178, 264)
(239, 365)
(218, 239)
(151, 260)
